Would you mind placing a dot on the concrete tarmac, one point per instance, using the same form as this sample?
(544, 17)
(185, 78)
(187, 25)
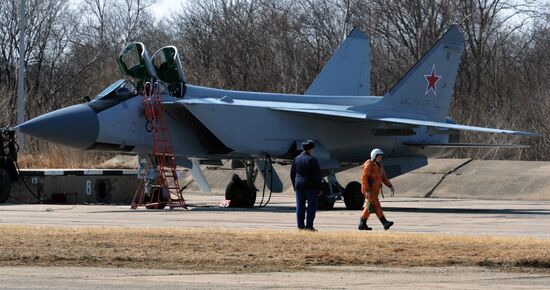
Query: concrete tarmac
(417, 215)
(314, 278)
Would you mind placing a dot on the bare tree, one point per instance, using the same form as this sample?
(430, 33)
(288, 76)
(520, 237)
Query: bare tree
(281, 45)
(401, 32)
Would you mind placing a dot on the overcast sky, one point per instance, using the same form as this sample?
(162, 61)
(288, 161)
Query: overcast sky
(163, 8)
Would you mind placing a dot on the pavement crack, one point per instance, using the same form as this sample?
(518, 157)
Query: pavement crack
(431, 191)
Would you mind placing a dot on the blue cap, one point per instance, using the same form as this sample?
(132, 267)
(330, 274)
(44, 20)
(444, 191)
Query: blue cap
(308, 144)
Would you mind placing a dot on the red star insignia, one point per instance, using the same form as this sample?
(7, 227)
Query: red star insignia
(432, 80)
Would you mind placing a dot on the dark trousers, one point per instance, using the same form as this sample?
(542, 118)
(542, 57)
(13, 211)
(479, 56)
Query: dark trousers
(301, 197)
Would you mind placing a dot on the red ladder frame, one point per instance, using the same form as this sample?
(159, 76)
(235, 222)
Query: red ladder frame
(163, 153)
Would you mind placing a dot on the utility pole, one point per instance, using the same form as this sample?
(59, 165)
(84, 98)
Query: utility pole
(21, 80)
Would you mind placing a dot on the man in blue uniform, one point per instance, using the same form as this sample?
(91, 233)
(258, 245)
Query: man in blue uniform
(305, 174)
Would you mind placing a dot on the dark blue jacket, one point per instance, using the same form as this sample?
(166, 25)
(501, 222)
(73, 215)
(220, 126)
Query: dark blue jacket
(305, 173)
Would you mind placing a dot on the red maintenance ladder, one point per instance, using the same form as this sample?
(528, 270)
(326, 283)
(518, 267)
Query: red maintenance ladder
(160, 170)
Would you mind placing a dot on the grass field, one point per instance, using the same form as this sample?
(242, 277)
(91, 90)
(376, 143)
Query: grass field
(57, 156)
(258, 251)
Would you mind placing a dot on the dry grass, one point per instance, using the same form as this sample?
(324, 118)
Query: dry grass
(57, 156)
(241, 250)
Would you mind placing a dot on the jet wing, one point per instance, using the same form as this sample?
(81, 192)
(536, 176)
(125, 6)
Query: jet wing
(324, 112)
(346, 112)
(312, 110)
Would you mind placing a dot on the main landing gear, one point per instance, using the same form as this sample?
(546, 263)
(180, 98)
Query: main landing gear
(242, 193)
(332, 191)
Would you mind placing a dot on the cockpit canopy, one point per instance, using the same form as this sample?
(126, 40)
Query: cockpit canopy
(165, 66)
(120, 90)
(134, 61)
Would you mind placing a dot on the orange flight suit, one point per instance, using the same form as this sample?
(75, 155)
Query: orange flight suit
(377, 176)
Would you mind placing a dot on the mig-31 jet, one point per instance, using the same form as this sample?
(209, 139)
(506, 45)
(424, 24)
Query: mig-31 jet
(254, 129)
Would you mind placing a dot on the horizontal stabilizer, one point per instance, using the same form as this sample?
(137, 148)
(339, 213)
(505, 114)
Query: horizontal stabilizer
(346, 113)
(465, 145)
(456, 126)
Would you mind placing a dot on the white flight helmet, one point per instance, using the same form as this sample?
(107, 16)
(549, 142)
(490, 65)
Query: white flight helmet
(375, 152)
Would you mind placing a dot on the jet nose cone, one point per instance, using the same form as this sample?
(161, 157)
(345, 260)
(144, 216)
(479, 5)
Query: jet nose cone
(76, 126)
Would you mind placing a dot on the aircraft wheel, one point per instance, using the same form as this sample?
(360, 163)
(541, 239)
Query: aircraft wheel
(353, 198)
(5, 185)
(324, 201)
(240, 194)
(159, 203)
(162, 198)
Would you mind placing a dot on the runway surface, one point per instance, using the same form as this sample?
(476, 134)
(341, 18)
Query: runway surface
(316, 278)
(417, 215)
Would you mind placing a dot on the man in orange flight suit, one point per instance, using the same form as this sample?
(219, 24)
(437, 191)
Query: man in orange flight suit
(372, 177)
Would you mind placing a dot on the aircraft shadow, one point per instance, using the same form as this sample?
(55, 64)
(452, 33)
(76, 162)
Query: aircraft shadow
(288, 208)
(268, 208)
(206, 208)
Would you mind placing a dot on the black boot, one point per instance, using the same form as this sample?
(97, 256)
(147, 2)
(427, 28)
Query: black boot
(387, 224)
(363, 225)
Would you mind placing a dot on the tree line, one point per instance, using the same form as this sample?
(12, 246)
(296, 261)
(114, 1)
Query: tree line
(281, 45)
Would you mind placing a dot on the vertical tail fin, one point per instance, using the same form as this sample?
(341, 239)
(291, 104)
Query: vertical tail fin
(347, 73)
(426, 89)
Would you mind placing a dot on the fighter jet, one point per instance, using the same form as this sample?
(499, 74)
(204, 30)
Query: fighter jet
(409, 123)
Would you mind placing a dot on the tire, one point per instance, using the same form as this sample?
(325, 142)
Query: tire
(353, 198)
(5, 185)
(240, 194)
(159, 203)
(324, 202)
